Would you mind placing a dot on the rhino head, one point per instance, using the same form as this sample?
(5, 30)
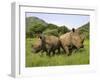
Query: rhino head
(77, 38)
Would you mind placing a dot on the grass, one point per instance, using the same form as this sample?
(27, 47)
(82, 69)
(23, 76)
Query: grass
(79, 57)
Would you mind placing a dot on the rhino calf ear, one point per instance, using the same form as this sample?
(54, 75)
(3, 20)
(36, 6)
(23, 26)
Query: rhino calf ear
(40, 37)
(73, 29)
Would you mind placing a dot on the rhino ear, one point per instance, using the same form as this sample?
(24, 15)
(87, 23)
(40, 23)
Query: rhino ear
(73, 29)
(42, 37)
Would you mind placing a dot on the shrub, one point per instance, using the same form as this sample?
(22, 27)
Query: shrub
(51, 32)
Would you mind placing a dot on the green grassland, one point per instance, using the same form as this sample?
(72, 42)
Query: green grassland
(79, 57)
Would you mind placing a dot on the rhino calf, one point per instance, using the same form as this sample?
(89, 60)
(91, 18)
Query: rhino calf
(71, 39)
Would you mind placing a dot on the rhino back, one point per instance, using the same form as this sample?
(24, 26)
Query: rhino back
(52, 40)
(65, 39)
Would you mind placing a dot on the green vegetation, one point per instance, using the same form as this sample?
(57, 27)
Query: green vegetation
(37, 59)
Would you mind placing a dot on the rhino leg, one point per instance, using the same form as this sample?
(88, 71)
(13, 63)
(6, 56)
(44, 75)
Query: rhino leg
(73, 49)
(66, 50)
(58, 50)
(49, 53)
(51, 50)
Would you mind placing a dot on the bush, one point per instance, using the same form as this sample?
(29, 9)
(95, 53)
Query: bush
(52, 26)
(51, 32)
(62, 30)
(34, 30)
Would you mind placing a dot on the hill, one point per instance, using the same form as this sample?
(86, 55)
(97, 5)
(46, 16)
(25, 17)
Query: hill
(34, 24)
(85, 29)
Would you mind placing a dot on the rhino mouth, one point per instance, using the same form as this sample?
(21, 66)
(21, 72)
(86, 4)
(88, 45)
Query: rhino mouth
(74, 47)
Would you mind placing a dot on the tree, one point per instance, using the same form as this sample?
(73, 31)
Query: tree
(51, 32)
(62, 30)
(52, 26)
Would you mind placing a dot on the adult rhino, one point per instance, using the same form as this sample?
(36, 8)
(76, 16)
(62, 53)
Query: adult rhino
(71, 40)
(50, 44)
